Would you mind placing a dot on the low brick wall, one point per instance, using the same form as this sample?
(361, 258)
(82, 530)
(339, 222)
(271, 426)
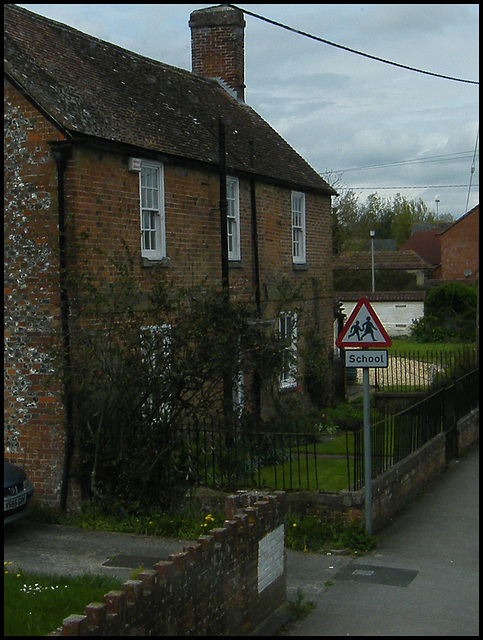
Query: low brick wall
(391, 491)
(227, 583)
(396, 487)
(468, 431)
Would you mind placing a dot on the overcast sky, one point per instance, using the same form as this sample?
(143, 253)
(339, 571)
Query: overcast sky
(373, 124)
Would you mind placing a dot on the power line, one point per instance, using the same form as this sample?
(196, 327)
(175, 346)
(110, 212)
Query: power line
(427, 186)
(472, 170)
(340, 46)
(461, 155)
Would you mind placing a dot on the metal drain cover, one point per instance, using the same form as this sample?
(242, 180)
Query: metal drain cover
(378, 575)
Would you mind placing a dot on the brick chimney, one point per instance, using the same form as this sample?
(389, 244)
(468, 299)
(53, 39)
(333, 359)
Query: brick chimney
(218, 46)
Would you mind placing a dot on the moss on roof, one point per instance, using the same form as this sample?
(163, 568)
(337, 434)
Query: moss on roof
(98, 90)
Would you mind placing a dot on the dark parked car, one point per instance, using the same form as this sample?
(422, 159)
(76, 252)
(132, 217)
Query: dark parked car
(17, 491)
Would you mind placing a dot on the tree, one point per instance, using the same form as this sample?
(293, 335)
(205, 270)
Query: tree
(390, 218)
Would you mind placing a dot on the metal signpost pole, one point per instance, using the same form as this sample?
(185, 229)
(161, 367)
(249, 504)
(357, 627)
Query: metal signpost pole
(367, 451)
(364, 329)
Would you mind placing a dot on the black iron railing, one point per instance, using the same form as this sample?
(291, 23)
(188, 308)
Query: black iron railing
(422, 370)
(397, 436)
(308, 460)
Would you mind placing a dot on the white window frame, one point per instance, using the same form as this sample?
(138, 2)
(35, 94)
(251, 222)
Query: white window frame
(239, 394)
(287, 324)
(149, 335)
(152, 214)
(298, 228)
(233, 218)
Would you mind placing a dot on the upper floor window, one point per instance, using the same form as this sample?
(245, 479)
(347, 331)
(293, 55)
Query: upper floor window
(298, 227)
(233, 218)
(153, 235)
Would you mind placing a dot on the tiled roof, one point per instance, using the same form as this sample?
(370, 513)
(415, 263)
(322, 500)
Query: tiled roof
(382, 260)
(96, 89)
(426, 244)
(380, 296)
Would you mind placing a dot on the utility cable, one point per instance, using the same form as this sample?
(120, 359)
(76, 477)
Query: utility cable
(472, 170)
(461, 155)
(340, 46)
(424, 186)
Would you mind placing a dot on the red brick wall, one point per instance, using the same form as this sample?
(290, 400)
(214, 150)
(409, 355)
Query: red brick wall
(214, 587)
(460, 248)
(102, 210)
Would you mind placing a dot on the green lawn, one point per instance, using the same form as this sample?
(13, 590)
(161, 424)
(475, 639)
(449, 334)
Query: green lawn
(322, 467)
(35, 605)
(402, 347)
(327, 475)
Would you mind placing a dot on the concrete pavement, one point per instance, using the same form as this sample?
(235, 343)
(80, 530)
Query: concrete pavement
(422, 579)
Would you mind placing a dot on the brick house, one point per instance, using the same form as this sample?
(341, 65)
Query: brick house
(110, 146)
(460, 248)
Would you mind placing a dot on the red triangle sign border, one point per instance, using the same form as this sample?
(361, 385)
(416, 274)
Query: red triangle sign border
(341, 340)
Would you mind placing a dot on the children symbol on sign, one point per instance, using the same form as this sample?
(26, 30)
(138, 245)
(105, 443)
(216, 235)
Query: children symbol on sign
(368, 329)
(355, 330)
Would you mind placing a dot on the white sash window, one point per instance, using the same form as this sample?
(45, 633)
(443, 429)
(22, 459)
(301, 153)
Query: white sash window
(153, 234)
(298, 227)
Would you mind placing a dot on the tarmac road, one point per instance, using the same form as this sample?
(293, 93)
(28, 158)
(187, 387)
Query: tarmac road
(421, 580)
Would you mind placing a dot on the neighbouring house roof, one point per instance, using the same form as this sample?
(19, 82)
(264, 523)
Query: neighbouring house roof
(381, 296)
(397, 260)
(426, 244)
(94, 89)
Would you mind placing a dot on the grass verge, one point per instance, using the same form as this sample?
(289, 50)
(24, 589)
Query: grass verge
(35, 605)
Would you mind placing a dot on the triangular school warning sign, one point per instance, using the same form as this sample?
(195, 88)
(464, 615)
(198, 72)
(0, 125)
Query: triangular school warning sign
(363, 328)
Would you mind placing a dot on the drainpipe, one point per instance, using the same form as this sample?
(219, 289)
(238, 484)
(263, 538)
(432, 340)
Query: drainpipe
(61, 154)
(256, 260)
(257, 382)
(225, 283)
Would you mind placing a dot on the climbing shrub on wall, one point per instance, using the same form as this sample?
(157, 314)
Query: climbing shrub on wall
(146, 366)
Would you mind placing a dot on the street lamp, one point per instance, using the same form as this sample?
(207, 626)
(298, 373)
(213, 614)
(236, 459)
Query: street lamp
(373, 233)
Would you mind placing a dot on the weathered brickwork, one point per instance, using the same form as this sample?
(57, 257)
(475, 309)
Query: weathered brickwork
(218, 46)
(102, 213)
(460, 248)
(213, 587)
(34, 412)
(468, 432)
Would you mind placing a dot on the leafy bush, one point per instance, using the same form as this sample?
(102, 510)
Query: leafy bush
(317, 533)
(147, 367)
(346, 416)
(449, 314)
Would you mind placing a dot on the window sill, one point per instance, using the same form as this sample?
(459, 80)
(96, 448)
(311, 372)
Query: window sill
(235, 264)
(300, 266)
(288, 386)
(161, 262)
